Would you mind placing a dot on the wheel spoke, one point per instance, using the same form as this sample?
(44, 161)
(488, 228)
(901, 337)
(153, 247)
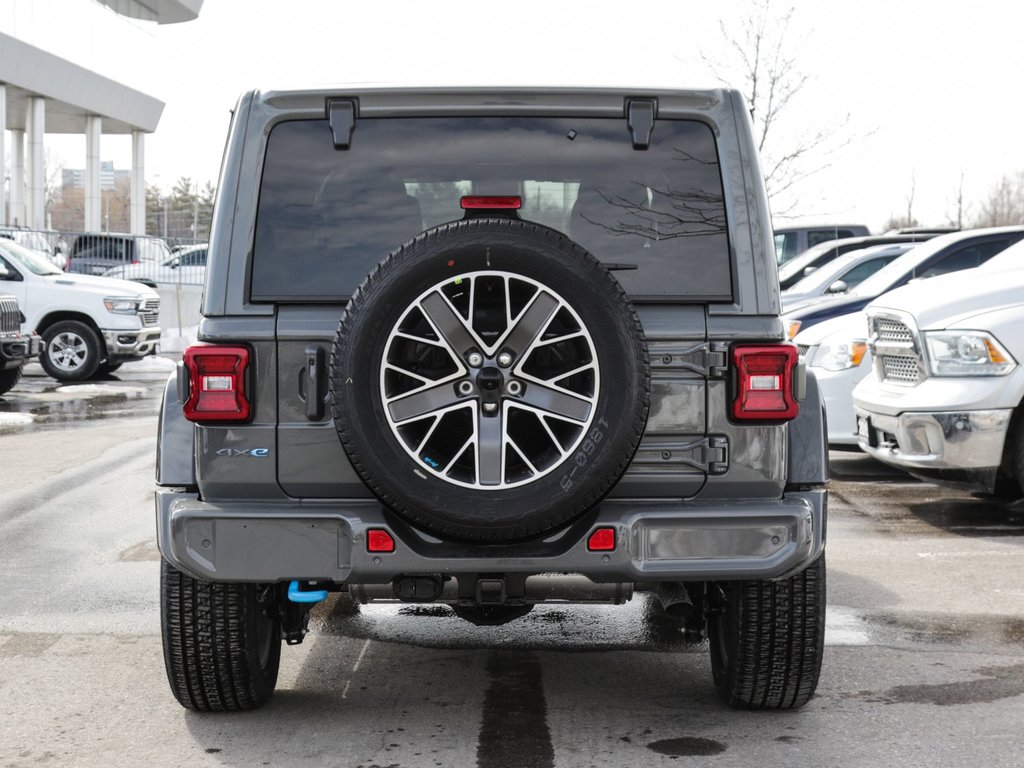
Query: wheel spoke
(490, 448)
(531, 324)
(422, 402)
(556, 401)
(449, 325)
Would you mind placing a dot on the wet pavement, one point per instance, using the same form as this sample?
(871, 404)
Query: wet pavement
(924, 642)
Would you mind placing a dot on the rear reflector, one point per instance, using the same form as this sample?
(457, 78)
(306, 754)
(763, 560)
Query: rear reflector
(601, 540)
(379, 540)
(764, 382)
(478, 201)
(216, 378)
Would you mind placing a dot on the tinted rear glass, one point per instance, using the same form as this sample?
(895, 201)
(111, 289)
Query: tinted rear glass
(327, 216)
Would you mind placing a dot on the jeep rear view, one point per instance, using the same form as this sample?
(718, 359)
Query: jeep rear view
(489, 349)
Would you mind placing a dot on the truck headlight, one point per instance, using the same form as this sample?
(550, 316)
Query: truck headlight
(966, 353)
(839, 355)
(121, 305)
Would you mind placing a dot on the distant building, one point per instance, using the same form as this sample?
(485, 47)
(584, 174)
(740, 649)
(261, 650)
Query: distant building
(74, 178)
(41, 93)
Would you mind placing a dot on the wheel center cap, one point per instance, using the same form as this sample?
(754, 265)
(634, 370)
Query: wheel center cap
(489, 379)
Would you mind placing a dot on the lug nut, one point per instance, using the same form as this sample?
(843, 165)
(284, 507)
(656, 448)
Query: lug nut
(490, 407)
(464, 387)
(504, 359)
(515, 388)
(475, 359)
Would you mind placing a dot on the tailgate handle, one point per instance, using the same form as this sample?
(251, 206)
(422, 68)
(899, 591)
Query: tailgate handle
(310, 383)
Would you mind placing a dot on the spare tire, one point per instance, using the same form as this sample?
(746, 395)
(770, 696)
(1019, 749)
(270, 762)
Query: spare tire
(490, 380)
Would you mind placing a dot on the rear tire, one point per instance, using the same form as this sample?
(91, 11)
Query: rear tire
(767, 639)
(222, 642)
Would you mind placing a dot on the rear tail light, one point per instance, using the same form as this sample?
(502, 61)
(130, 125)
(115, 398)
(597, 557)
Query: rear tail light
(764, 382)
(216, 383)
(491, 202)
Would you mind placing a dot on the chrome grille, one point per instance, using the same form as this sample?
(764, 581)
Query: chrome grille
(901, 368)
(149, 311)
(10, 315)
(803, 348)
(892, 330)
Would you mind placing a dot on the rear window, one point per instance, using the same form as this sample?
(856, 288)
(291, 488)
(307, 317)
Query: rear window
(327, 216)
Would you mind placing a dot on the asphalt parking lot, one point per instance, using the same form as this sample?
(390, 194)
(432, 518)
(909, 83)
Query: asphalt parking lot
(924, 663)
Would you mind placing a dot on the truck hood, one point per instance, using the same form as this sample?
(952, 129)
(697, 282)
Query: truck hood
(102, 286)
(951, 301)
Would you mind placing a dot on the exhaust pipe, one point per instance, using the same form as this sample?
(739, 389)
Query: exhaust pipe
(674, 599)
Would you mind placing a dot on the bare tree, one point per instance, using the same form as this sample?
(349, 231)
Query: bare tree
(1004, 204)
(761, 62)
(960, 208)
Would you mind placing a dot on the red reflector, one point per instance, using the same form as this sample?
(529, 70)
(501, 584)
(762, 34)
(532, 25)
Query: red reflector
(764, 382)
(216, 379)
(379, 540)
(480, 201)
(601, 540)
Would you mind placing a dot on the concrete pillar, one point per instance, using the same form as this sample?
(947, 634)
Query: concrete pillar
(35, 124)
(17, 190)
(138, 190)
(93, 198)
(3, 153)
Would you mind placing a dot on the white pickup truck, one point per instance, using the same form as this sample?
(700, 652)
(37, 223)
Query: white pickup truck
(944, 401)
(89, 325)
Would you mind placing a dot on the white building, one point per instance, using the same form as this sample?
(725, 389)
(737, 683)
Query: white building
(42, 92)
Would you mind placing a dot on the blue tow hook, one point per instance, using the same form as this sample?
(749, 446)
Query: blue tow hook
(298, 596)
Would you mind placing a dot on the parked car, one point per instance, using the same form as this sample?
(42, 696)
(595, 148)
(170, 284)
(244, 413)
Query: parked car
(837, 352)
(940, 255)
(89, 325)
(796, 270)
(842, 275)
(559, 375)
(17, 347)
(790, 242)
(34, 241)
(95, 254)
(186, 267)
(945, 398)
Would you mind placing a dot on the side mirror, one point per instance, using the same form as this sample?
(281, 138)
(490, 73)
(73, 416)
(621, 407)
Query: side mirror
(808, 270)
(839, 286)
(5, 273)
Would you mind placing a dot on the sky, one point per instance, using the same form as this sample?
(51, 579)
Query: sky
(914, 94)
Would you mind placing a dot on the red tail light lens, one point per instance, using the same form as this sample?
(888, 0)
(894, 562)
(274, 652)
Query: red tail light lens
(601, 540)
(764, 382)
(493, 202)
(379, 540)
(216, 377)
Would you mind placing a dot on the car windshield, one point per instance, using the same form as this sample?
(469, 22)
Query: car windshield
(890, 275)
(1011, 258)
(801, 262)
(834, 270)
(27, 259)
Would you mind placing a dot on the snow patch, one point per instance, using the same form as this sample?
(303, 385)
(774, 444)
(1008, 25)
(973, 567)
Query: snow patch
(15, 419)
(176, 339)
(94, 390)
(844, 626)
(150, 364)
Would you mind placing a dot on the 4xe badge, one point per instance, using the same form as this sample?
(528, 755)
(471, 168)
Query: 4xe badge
(259, 453)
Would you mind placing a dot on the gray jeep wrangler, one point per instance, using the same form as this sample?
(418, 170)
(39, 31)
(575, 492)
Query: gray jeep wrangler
(491, 348)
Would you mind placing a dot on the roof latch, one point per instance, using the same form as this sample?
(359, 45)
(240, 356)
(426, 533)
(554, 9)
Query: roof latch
(641, 114)
(341, 113)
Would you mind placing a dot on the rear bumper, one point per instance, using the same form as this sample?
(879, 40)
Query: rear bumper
(656, 541)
